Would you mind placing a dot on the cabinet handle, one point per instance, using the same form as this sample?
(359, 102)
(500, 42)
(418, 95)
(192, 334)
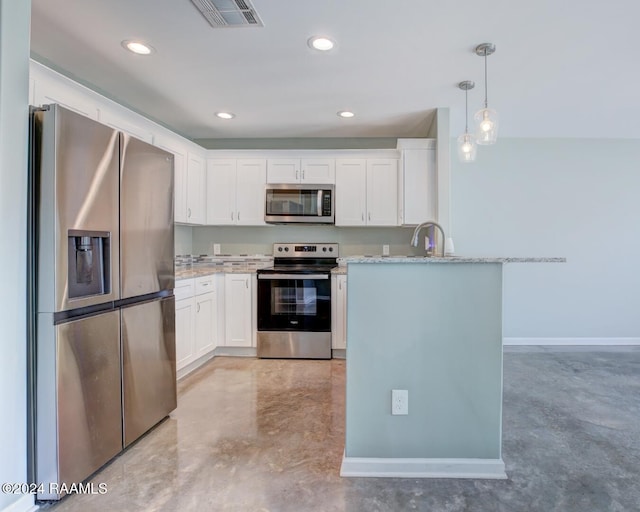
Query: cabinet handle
(362, 216)
(189, 212)
(198, 311)
(369, 215)
(231, 215)
(238, 216)
(204, 284)
(297, 174)
(246, 283)
(302, 173)
(339, 285)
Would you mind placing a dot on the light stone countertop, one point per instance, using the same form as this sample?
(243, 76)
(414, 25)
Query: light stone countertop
(446, 259)
(222, 265)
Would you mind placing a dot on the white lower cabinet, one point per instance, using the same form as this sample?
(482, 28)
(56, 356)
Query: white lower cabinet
(196, 319)
(238, 310)
(185, 322)
(206, 316)
(339, 312)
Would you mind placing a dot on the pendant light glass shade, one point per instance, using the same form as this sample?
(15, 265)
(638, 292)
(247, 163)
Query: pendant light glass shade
(466, 142)
(486, 126)
(486, 119)
(467, 148)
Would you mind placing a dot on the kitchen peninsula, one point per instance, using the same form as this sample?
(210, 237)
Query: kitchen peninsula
(432, 327)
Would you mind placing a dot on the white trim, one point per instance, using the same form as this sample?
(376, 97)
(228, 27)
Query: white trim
(24, 504)
(422, 468)
(236, 351)
(571, 341)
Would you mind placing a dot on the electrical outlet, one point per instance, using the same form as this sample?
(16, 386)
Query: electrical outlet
(385, 250)
(216, 249)
(399, 401)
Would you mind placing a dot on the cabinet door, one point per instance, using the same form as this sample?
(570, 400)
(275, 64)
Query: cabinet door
(179, 183)
(196, 213)
(180, 187)
(221, 192)
(418, 186)
(283, 170)
(205, 316)
(382, 192)
(185, 336)
(237, 302)
(340, 336)
(351, 198)
(318, 170)
(251, 177)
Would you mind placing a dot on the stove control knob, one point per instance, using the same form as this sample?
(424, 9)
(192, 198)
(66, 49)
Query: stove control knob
(286, 249)
(324, 249)
(330, 249)
(279, 249)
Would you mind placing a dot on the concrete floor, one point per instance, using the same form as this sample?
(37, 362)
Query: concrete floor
(268, 436)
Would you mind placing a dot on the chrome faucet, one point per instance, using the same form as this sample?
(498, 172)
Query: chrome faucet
(414, 238)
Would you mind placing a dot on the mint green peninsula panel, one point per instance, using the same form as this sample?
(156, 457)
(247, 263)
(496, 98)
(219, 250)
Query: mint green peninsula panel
(436, 331)
(433, 327)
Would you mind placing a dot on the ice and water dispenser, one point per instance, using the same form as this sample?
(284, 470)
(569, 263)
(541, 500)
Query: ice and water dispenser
(89, 263)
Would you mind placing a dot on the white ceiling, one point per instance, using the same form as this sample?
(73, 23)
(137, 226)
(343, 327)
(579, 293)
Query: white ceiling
(562, 68)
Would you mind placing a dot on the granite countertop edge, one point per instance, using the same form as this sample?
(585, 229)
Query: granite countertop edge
(447, 259)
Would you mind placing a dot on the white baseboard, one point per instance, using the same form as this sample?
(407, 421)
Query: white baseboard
(571, 341)
(236, 351)
(24, 504)
(422, 468)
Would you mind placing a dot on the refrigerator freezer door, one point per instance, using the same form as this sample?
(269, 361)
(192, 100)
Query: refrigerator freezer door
(76, 169)
(149, 365)
(82, 378)
(146, 218)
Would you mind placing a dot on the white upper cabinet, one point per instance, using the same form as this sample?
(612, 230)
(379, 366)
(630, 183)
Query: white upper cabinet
(301, 170)
(351, 192)
(196, 190)
(179, 179)
(367, 192)
(236, 191)
(382, 192)
(250, 191)
(418, 178)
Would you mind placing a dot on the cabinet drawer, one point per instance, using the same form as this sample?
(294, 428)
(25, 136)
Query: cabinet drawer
(204, 284)
(184, 289)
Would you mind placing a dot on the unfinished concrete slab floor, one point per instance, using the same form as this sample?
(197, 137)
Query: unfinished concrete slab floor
(268, 435)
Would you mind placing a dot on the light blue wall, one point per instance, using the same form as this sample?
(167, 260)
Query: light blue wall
(434, 330)
(576, 198)
(259, 240)
(14, 87)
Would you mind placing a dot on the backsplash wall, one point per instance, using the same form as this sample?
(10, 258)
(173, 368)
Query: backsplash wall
(259, 240)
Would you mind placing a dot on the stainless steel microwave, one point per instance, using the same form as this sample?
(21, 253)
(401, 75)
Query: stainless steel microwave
(297, 203)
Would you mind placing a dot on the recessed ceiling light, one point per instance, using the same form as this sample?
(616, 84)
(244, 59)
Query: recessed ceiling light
(225, 115)
(138, 47)
(346, 113)
(321, 43)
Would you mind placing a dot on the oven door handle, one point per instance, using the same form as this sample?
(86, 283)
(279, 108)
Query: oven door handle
(320, 203)
(296, 277)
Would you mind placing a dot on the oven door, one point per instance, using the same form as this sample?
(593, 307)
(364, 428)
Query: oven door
(294, 302)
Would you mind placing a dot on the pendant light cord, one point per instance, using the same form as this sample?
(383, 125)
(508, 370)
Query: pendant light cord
(466, 111)
(486, 103)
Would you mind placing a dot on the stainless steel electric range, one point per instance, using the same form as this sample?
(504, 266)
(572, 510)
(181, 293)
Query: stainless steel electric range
(294, 302)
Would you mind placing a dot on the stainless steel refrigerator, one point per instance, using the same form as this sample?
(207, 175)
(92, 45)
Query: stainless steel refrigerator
(101, 324)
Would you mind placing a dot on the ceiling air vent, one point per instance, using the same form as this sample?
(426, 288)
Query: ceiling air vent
(229, 13)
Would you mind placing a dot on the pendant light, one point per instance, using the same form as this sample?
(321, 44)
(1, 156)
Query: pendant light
(486, 118)
(466, 142)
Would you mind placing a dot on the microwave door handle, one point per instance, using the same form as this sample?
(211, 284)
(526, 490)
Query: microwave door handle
(319, 203)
